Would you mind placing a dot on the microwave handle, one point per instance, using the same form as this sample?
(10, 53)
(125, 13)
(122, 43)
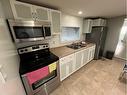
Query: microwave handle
(44, 31)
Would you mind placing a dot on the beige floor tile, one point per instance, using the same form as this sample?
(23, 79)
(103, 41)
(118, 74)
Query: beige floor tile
(99, 77)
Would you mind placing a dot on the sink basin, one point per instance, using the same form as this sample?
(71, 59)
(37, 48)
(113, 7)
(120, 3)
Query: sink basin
(76, 45)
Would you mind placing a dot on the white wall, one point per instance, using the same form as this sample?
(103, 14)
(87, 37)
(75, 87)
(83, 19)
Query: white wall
(122, 43)
(71, 21)
(114, 29)
(67, 21)
(9, 61)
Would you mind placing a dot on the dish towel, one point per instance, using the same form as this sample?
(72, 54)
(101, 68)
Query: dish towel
(52, 67)
(37, 75)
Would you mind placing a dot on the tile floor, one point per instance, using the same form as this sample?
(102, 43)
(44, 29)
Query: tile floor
(99, 77)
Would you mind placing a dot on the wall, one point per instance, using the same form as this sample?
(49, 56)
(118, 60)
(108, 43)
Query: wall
(72, 21)
(122, 43)
(67, 21)
(9, 61)
(114, 29)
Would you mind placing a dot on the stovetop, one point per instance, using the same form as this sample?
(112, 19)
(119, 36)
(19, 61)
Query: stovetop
(31, 65)
(35, 57)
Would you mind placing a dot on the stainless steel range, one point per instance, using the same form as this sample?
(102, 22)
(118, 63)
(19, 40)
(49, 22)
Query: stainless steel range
(39, 69)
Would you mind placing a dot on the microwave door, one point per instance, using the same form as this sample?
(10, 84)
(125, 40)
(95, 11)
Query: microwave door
(28, 33)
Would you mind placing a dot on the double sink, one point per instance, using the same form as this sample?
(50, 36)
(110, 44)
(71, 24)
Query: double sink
(77, 45)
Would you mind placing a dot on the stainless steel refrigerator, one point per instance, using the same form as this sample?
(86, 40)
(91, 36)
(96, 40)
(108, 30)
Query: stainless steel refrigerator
(97, 36)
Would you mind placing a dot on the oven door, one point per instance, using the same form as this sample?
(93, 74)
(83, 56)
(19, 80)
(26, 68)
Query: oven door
(53, 77)
(44, 80)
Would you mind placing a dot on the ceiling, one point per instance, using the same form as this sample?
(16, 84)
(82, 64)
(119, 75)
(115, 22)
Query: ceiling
(90, 8)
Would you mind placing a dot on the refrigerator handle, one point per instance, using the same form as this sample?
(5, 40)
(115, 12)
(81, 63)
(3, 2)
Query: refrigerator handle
(102, 29)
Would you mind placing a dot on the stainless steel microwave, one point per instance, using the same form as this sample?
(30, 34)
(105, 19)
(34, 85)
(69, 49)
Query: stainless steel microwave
(25, 31)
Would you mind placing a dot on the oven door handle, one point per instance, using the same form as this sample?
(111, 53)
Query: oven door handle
(44, 80)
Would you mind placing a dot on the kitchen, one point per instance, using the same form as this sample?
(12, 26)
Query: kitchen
(63, 43)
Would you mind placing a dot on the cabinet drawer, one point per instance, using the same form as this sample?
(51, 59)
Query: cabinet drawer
(67, 58)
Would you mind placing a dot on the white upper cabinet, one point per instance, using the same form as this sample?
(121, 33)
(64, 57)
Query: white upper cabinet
(29, 12)
(99, 22)
(41, 13)
(87, 25)
(22, 10)
(55, 20)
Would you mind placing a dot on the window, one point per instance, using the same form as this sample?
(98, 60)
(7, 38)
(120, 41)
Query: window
(70, 34)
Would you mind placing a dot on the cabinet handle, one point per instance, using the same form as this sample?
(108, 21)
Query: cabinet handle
(32, 15)
(36, 16)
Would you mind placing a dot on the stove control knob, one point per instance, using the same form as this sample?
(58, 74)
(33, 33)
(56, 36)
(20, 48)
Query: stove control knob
(21, 50)
(25, 49)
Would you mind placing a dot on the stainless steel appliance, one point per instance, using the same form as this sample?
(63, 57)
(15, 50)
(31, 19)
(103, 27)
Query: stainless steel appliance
(24, 31)
(39, 69)
(97, 36)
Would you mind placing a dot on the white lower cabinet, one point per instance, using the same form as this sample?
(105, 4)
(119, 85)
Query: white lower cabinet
(71, 63)
(66, 66)
(79, 60)
(91, 53)
(85, 56)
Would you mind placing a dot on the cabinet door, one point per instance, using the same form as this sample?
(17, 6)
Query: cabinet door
(69, 67)
(95, 22)
(85, 56)
(41, 13)
(63, 71)
(55, 19)
(90, 54)
(87, 26)
(66, 66)
(99, 22)
(22, 10)
(66, 69)
(79, 60)
(93, 52)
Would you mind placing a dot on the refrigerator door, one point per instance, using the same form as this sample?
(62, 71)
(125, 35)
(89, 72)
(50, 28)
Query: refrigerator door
(102, 41)
(95, 37)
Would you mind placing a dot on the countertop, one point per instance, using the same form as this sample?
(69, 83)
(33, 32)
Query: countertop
(64, 51)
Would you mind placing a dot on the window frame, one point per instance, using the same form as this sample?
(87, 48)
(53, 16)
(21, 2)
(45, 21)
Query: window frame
(63, 42)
